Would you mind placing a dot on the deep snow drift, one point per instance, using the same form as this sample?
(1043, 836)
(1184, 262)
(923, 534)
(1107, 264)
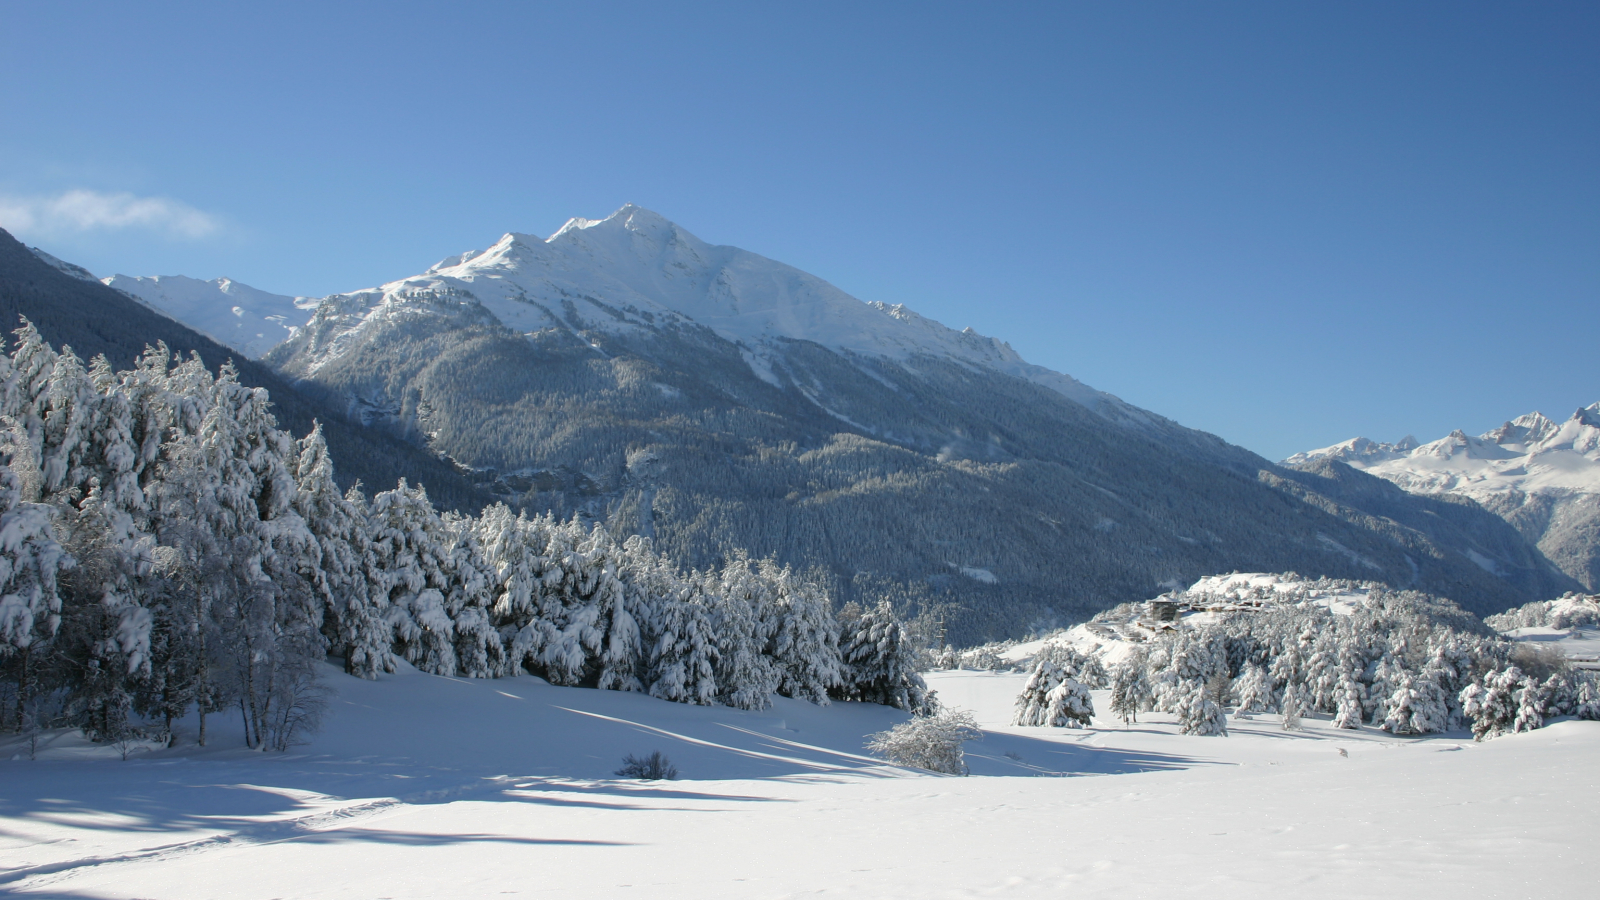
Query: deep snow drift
(435, 787)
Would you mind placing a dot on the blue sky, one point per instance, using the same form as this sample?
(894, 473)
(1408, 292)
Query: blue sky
(1287, 224)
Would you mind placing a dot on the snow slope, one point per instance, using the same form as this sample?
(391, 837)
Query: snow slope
(427, 787)
(634, 271)
(248, 320)
(1529, 453)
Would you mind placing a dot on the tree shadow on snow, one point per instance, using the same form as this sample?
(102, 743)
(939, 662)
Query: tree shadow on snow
(1003, 753)
(559, 793)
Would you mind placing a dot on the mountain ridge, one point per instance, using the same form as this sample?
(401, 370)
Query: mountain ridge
(1540, 475)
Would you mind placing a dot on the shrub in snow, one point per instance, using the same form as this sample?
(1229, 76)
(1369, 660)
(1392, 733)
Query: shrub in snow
(929, 742)
(655, 767)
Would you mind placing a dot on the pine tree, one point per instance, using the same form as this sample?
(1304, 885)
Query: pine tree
(338, 524)
(1417, 706)
(409, 567)
(1052, 695)
(1131, 692)
(1254, 691)
(880, 664)
(745, 674)
(1493, 703)
(30, 603)
(1068, 705)
(1290, 708)
(804, 645)
(683, 658)
(1348, 710)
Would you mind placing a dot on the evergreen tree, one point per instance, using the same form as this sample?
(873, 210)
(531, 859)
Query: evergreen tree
(1254, 691)
(1348, 703)
(880, 664)
(804, 645)
(1417, 706)
(409, 568)
(1131, 692)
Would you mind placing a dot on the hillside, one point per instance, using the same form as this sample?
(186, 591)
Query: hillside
(714, 399)
(94, 319)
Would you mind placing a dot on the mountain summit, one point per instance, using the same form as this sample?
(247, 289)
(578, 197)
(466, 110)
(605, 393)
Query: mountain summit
(636, 272)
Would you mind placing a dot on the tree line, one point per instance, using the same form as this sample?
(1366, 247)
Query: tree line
(166, 549)
(1403, 661)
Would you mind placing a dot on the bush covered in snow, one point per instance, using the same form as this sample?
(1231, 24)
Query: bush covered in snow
(934, 742)
(655, 767)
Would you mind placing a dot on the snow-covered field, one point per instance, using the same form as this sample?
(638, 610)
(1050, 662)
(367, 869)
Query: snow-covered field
(427, 787)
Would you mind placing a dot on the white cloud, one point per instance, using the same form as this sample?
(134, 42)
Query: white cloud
(79, 211)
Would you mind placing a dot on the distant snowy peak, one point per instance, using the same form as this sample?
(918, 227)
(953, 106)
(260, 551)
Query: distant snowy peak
(637, 272)
(1529, 453)
(248, 320)
(1357, 452)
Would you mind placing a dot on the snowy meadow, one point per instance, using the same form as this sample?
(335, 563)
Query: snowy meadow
(429, 786)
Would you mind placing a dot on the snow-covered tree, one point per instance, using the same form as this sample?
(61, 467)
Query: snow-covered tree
(1290, 707)
(1253, 691)
(1349, 698)
(1052, 696)
(683, 659)
(338, 524)
(1417, 706)
(746, 676)
(409, 569)
(804, 642)
(30, 603)
(1131, 692)
(879, 663)
(1494, 703)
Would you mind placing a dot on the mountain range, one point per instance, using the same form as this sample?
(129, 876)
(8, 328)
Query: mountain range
(1540, 475)
(718, 401)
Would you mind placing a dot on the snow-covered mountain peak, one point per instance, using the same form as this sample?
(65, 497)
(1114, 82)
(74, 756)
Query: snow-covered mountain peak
(636, 272)
(1523, 430)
